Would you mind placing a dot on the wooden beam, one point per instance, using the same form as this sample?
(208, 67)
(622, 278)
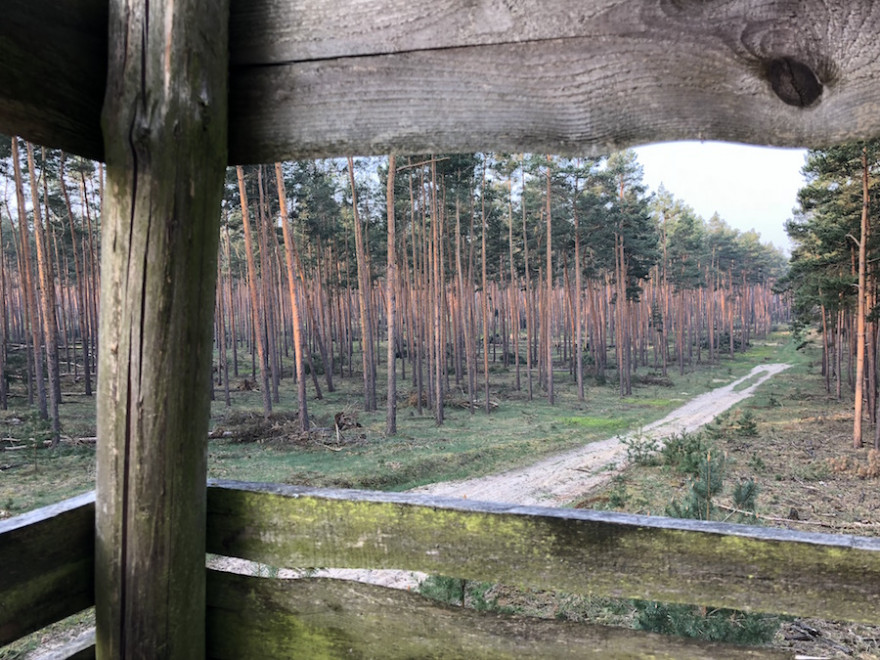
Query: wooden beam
(573, 551)
(586, 77)
(48, 573)
(310, 78)
(165, 135)
(252, 617)
(53, 70)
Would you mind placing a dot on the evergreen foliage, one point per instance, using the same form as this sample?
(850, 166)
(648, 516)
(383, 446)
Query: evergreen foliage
(718, 625)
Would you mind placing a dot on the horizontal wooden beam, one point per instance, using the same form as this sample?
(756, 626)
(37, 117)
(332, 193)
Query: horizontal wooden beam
(573, 551)
(48, 559)
(310, 78)
(48, 556)
(254, 617)
(53, 68)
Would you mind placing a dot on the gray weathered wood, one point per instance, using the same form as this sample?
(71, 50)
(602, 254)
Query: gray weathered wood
(165, 130)
(82, 647)
(53, 68)
(560, 76)
(47, 560)
(586, 552)
(251, 617)
(311, 78)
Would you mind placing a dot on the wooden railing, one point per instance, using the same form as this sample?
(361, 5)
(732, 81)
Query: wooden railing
(47, 560)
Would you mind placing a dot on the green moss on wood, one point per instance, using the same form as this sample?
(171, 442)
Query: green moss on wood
(589, 553)
(256, 617)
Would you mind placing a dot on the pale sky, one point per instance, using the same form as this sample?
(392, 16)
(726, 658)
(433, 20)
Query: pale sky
(750, 187)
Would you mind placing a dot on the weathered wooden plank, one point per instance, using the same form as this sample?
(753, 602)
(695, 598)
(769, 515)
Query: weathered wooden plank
(53, 68)
(376, 76)
(47, 560)
(555, 76)
(587, 552)
(568, 96)
(312, 78)
(165, 134)
(81, 647)
(251, 617)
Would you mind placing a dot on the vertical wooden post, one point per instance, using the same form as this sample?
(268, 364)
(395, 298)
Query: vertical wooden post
(164, 124)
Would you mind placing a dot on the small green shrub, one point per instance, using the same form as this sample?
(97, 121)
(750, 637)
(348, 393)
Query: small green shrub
(618, 497)
(444, 589)
(709, 481)
(757, 463)
(745, 495)
(458, 591)
(642, 450)
(747, 425)
(719, 427)
(684, 452)
(721, 625)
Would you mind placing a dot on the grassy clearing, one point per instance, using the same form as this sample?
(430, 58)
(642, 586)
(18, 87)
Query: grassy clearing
(468, 444)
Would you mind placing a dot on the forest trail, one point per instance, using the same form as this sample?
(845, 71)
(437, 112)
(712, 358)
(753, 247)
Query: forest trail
(563, 478)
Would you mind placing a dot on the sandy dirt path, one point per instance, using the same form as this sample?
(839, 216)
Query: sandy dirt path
(563, 478)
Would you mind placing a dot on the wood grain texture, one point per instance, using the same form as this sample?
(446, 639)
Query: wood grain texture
(311, 78)
(251, 617)
(585, 552)
(165, 131)
(578, 78)
(53, 70)
(47, 559)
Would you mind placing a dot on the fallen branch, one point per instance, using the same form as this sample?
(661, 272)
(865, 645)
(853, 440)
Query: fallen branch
(816, 523)
(79, 441)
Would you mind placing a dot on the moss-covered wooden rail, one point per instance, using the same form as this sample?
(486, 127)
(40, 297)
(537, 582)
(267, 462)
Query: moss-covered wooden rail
(49, 571)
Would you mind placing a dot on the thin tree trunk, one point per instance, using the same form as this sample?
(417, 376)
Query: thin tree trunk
(222, 342)
(93, 280)
(267, 287)
(294, 289)
(485, 292)
(391, 301)
(4, 324)
(860, 319)
(364, 300)
(548, 309)
(28, 282)
(80, 292)
(257, 320)
(437, 297)
(47, 302)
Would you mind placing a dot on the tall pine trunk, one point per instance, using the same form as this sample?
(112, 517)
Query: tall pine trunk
(860, 318)
(256, 316)
(298, 345)
(369, 364)
(32, 313)
(47, 302)
(391, 302)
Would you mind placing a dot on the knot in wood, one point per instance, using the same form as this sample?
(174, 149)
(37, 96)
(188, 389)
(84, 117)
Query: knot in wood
(794, 82)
